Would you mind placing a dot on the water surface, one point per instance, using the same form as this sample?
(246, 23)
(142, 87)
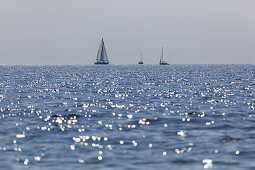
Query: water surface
(123, 117)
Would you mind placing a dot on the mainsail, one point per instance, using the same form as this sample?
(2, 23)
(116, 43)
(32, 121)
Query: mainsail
(101, 54)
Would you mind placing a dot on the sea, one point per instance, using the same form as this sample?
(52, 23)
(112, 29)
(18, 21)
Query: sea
(127, 117)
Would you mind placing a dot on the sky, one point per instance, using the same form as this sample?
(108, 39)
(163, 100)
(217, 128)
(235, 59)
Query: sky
(69, 31)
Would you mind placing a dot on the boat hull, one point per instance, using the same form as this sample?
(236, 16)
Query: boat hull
(101, 63)
(163, 64)
(140, 62)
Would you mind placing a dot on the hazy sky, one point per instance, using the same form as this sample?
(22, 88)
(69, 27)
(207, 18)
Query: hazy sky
(70, 31)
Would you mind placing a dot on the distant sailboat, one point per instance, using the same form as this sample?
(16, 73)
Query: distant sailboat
(101, 54)
(161, 61)
(141, 61)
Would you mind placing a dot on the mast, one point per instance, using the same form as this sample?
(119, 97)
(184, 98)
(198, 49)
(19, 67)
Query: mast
(142, 57)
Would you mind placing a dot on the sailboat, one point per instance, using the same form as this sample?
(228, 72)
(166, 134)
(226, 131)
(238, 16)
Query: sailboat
(101, 54)
(141, 61)
(161, 61)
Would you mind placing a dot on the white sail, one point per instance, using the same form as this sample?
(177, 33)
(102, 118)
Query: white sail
(101, 54)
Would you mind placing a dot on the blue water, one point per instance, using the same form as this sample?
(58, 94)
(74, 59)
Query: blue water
(127, 117)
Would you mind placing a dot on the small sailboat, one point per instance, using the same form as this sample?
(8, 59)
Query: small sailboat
(141, 61)
(161, 61)
(101, 54)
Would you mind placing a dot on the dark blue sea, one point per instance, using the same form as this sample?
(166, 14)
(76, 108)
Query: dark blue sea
(127, 117)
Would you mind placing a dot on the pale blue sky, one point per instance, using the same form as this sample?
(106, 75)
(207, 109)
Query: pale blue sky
(69, 31)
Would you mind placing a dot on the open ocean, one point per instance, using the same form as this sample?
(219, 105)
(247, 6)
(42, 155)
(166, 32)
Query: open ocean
(127, 117)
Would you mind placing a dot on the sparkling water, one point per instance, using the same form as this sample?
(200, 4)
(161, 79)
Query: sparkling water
(127, 117)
